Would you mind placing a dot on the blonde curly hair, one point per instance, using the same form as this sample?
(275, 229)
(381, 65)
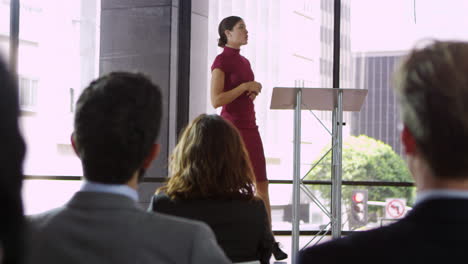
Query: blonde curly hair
(210, 161)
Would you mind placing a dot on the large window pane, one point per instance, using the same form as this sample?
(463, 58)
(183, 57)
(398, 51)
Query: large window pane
(372, 150)
(57, 59)
(43, 195)
(4, 30)
(290, 45)
(379, 40)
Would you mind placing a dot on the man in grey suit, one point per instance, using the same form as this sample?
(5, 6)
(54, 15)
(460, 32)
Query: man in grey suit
(116, 124)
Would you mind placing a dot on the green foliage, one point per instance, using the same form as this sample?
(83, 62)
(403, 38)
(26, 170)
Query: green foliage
(366, 159)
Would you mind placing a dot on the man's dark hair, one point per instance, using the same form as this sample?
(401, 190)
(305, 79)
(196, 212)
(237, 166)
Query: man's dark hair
(433, 88)
(117, 121)
(12, 152)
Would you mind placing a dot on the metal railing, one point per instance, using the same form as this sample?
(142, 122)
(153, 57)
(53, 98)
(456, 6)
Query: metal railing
(275, 232)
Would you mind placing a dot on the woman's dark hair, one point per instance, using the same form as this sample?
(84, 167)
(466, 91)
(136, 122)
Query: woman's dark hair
(227, 23)
(12, 152)
(210, 162)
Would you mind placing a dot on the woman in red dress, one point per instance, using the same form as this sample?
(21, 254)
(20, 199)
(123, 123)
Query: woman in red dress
(233, 87)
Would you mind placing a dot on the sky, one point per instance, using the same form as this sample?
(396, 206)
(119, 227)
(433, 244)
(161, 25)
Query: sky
(396, 25)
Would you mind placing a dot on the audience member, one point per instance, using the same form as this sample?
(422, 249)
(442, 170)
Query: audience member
(433, 88)
(12, 152)
(116, 124)
(212, 181)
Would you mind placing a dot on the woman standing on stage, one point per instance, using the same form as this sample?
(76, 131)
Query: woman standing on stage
(233, 87)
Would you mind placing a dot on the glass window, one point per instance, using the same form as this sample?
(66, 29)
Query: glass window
(5, 30)
(290, 45)
(378, 47)
(57, 58)
(42, 195)
(372, 150)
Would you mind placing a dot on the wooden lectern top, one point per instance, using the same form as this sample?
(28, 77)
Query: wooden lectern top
(318, 98)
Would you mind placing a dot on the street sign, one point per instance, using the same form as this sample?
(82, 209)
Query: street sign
(395, 208)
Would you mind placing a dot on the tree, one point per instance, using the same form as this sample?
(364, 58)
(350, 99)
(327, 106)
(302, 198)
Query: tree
(366, 159)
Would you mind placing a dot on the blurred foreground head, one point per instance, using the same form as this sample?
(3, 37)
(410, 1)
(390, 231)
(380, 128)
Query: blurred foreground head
(433, 88)
(12, 150)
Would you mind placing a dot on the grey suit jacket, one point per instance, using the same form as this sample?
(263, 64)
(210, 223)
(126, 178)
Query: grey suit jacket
(110, 228)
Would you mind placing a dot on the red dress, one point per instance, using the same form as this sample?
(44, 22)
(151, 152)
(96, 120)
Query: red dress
(241, 111)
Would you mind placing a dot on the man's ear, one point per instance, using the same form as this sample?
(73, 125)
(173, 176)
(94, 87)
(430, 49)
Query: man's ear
(154, 153)
(74, 144)
(409, 143)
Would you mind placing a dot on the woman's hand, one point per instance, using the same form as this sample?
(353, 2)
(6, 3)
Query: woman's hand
(252, 96)
(219, 97)
(253, 87)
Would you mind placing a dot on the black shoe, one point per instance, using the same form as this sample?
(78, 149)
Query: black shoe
(278, 253)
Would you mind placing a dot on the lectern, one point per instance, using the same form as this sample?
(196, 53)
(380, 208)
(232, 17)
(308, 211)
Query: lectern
(325, 99)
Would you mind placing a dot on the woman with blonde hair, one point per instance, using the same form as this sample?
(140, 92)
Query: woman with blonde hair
(212, 181)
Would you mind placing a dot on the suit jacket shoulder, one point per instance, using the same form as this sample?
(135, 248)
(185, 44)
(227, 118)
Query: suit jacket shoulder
(434, 231)
(108, 228)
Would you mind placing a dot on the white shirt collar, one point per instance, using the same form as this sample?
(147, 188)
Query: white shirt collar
(440, 193)
(122, 189)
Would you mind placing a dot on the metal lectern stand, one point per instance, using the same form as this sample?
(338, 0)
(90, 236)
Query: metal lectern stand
(325, 99)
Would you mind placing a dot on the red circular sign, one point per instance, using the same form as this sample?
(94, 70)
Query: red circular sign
(395, 208)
